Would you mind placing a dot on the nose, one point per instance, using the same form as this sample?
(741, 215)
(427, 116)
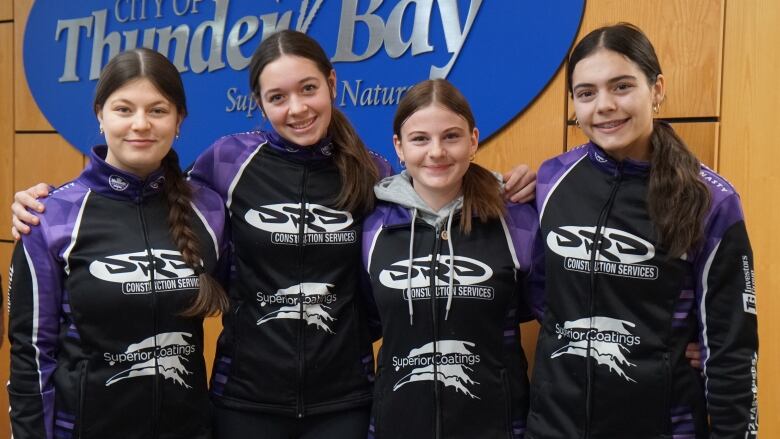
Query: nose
(437, 149)
(297, 105)
(605, 102)
(141, 121)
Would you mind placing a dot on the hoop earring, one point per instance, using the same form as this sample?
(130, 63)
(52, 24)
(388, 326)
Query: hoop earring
(577, 123)
(656, 108)
(402, 163)
(472, 157)
(101, 130)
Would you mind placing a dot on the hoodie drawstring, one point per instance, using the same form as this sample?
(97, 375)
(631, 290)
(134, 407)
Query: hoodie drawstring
(409, 271)
(452, 264)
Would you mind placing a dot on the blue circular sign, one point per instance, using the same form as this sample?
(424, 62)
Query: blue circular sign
(500, 54)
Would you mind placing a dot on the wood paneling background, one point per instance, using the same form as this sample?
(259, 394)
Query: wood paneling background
(721, 65)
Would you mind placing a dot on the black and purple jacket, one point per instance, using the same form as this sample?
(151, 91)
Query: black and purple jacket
(459, 373)
(610, 359)
(98, 346)
(295, 341)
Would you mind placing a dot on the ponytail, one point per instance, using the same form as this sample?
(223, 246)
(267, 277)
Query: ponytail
(211, 298)
(357, 169)
(481, 197)
(677, 199)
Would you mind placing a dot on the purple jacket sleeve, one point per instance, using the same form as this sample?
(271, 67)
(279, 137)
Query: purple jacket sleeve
(522, 227)
(372, 226)
(726, 298)
(35, 300)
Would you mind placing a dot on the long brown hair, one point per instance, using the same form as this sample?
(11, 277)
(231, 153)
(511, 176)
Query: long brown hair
(357, 169)
(481, 189)
(677, 199)
(154, 67)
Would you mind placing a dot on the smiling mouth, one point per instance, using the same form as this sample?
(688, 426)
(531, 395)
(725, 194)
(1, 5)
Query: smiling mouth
(612, 124)
(302, 125)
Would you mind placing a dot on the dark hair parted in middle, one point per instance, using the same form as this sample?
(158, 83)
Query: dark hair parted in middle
(147, 64)
(481, 188)
(356, 167)
(677, 199)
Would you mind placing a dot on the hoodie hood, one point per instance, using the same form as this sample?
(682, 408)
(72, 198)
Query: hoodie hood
(398, 189)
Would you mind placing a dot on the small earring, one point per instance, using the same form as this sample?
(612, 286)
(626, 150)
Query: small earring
(577, 122)
(656, 108)
(403, 163)
(177, 136)
(101, 130)
(472, 157)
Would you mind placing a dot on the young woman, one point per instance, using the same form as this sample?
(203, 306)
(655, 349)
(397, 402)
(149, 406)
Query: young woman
(645, 249)
(295, 356)
(108, 294)
(447, 262)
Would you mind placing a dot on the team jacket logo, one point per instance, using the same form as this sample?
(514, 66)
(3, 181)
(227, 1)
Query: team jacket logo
(133, 271)
(468, 273)
(620, 252)
(453, 362)
(609, 339)
(117, 183)
(315, 298)
(170, 352)
(322, 225)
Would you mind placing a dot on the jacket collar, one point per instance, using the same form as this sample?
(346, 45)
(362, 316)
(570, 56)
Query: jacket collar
(609, 165)
(115, 183)
(321, 150)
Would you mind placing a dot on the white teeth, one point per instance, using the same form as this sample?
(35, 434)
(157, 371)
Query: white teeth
(611, 124)
(303, 124)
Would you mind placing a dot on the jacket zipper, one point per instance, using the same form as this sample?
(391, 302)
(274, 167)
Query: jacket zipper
(596, 247)
(156, 382)
(303, 217)
(434, 313)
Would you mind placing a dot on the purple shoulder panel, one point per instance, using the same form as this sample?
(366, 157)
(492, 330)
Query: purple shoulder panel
(552, 171)
(212, 208)
(385, 170)
(222, 161)
(523, 223)
(725, 209)
(371, 225)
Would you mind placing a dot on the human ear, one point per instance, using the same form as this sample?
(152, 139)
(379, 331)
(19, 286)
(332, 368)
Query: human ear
(659, 90)
(332, 83)
(474, 142)
(398, 149)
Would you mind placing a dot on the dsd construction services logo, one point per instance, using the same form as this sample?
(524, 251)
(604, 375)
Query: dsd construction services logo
(500, 53)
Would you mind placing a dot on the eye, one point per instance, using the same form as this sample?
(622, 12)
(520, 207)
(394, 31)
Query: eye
(418, 139)
(122, 109)
(275, 98)
(310, 88)
(452, 135)
(584, 95)
(623, 86)
(159, 110)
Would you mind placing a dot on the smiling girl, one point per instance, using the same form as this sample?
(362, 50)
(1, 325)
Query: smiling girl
(448, 262)
(645, 249)
(109, 292)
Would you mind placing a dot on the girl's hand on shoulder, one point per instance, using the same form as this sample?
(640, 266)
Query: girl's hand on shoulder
(22, 219)
(520, 184)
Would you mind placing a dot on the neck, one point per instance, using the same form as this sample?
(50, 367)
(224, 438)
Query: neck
(436, 199)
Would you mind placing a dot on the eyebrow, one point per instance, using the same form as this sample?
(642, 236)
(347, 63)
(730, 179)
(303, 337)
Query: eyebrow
(611, 81)
(304, 80)
(127, 101)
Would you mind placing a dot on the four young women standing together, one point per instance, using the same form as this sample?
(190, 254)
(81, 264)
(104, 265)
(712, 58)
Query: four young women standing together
(294, 359)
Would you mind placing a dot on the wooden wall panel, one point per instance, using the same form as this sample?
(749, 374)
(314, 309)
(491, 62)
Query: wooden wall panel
(212, 326)
(44, 158)
(28, 116)
(701, 138)
(5, 261)
(749, 158)
(690, 57)
(6, 125)
(534, 136)
(6, 10)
